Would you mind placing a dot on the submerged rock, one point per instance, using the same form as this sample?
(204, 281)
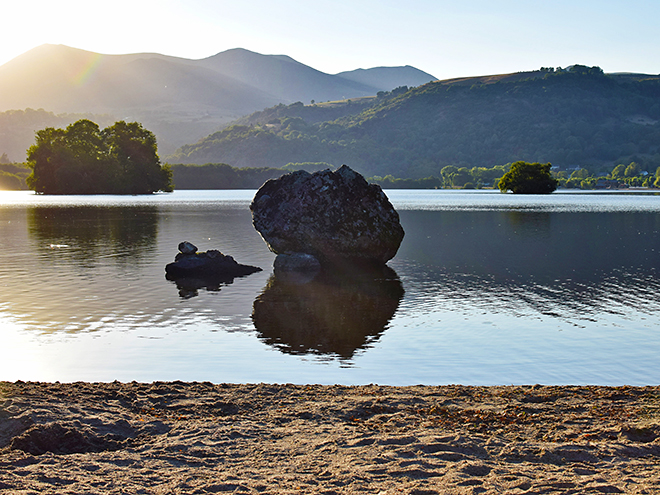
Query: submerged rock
(333, 216)
(211, 263)
(297, 268)
(296, 262)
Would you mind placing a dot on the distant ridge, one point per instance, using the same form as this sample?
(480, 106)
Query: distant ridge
(179, 99)
(284, 77)
(388, 78)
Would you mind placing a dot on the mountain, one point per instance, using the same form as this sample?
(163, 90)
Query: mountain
(280, 75)
(577, 117)
(388, 78)
(180, 100)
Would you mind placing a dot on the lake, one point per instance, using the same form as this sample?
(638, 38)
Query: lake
(487, 288)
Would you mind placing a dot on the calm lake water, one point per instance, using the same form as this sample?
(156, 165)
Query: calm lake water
(487, 288)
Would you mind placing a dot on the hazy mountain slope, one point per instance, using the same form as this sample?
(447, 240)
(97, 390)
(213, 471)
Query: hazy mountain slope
(280, 75)
(573, 118)
(388, 78)
(63, 79)
(180, 100)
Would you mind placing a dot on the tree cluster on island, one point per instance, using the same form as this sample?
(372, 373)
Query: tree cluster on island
(83, 159)
(528, 178)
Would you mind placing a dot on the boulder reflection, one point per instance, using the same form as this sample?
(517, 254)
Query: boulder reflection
(336, 313)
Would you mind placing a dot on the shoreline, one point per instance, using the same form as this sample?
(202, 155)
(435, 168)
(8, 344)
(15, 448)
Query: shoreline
(176, 437)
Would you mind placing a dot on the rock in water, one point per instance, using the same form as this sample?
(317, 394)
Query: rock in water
(334, 216)
(187, 247)
(210, 264)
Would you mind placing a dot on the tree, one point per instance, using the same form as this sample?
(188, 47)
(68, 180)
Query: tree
(632, 170)
(582, 173)
(528, 178)
(134, 158)
(461, 177)
(447, 174)
(619, 171)
(82, 159)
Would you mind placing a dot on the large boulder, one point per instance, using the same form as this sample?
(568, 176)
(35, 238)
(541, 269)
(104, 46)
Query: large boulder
(333, 216)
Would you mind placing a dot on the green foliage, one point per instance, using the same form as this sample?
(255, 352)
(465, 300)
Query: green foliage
(83, 159)
(528, 178)
(632, 170)
(13, 175)
(582, 173)
(221, 176)
(389, 182)
(9, 182)
(619, 171)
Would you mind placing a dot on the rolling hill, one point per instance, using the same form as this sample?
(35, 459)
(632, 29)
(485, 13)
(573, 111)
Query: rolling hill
(575, 117)
(180, 100)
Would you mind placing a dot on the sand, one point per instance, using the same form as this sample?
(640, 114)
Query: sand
(205, 438)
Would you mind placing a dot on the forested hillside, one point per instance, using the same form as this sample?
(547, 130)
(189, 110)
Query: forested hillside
(576, 117)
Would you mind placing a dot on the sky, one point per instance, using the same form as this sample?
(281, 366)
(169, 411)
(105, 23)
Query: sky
(447, 39)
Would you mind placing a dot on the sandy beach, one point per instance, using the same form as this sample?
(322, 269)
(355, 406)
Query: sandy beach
(179, 437)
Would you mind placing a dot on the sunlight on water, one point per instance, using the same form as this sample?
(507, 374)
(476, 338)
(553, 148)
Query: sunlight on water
(487, 288)
(561, 201)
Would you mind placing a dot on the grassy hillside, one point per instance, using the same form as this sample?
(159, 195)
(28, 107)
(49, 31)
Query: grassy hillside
(578, 117)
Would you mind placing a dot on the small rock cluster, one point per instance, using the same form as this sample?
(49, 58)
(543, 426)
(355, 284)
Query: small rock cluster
(188, 262)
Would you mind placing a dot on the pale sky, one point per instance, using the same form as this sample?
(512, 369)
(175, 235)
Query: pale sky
(446, 38)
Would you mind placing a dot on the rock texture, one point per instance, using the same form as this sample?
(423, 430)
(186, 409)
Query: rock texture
(212, 263)
(333, 216)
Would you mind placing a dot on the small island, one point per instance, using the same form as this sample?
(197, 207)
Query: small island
(528, 178)
(83, 159)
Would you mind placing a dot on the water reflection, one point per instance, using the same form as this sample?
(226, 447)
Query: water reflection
(87, 233)
(336, 313)
(189, 285)
(540, 246)
(568, 266)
